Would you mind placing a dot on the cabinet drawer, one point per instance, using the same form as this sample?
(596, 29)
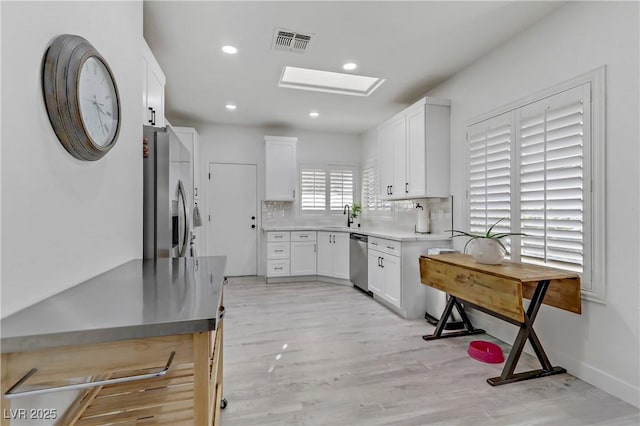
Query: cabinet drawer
(278, 236)
(278, 268)
(277, 250)
(303, 236)
(385, 246)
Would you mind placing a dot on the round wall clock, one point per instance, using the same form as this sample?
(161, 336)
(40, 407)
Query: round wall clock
(81, 97)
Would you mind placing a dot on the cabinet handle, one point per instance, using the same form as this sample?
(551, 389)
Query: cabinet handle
(374, 244)
(329, 238)
(196, 189)
(278, 268)
(390, 189)
(304, 236)
(334, 239)
(391, 247)
(278, 236)
(253, 226)
(406, 187)
(221, 312)
(11, 394)
(279, 251)
(381, 264)
(314, 248)
(253, 218)
(294, 193)
(379, 261)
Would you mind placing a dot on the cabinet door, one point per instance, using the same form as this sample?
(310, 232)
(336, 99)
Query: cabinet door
(416, 158)
(154, 82)
(399, 158)
(280, 169)
(303, 258)
(325, 253)
(341, 255)
(373, 270)
(385, 160)
(392, 279)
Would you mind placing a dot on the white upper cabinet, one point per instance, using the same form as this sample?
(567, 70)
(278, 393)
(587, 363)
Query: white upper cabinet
(280, 168)
(152, 89)
(413, 152)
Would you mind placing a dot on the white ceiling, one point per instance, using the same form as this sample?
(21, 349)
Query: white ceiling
(413, 45)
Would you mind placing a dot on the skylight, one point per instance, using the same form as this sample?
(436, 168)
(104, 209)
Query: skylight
(330, 82)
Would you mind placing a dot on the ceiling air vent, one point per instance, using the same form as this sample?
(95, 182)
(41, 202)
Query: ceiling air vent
(290, 40)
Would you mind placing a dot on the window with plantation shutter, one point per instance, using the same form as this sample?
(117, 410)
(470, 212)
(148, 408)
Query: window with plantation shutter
(313, 191)
(326, 188)
(539, 163)
(490, 175)
(554, 136)
(341, 188)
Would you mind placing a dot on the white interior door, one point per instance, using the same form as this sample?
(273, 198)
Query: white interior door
(233, 227)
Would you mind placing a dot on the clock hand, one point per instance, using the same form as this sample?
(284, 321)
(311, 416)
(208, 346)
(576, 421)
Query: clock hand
(95, 102)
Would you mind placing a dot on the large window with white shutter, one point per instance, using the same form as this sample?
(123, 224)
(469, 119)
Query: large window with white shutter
(326, 188)
(532, 165)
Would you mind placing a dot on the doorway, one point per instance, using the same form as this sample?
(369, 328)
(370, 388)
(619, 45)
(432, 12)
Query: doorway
(233, 229)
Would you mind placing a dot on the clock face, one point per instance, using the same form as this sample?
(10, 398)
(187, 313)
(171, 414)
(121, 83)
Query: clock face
(98, 101)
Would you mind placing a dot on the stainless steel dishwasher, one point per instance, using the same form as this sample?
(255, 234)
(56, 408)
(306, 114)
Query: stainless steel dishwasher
(358, 262)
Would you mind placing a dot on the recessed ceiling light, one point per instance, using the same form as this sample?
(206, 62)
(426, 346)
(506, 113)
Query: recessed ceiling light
(230, 50)
(230, 107)
(328, 82)
(313, 114)
(350, 66)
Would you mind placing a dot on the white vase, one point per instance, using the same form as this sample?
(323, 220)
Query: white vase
(487, 251)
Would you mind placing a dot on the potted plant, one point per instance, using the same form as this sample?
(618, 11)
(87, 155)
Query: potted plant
(486, 248)
(355, 212)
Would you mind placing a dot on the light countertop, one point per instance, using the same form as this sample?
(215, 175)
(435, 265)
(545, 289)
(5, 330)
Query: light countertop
(139, 299)
(380, 233)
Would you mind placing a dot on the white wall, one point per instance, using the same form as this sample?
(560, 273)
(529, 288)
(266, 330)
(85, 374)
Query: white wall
(602, 345)
(245, 144)
(65, 220)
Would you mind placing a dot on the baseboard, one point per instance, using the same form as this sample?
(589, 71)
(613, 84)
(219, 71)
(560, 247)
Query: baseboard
(592, 375)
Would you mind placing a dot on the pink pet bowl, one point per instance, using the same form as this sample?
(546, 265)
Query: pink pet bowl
(485, 352)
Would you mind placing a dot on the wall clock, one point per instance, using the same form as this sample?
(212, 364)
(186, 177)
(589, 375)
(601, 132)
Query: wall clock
(81, 97)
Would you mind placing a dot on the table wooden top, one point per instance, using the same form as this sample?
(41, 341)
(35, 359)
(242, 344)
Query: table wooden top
(500, 288)
(516, 271)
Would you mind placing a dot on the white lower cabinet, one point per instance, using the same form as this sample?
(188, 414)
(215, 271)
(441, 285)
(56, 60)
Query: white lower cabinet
(303, 258)
(385, 276)
(333, 254)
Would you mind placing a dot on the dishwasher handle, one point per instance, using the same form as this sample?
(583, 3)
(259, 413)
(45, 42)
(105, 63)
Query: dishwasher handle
(360, 237)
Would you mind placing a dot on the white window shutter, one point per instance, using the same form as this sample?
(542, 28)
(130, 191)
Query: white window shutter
(490, 174)
(341, 187)
(313, 184)
(552, 187)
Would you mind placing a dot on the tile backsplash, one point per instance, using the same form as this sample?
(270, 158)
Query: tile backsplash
(402, 216)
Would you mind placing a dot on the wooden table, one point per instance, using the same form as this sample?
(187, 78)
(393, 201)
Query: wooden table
(498, 290)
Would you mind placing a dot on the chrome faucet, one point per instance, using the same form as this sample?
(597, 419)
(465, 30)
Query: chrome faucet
(347, 211)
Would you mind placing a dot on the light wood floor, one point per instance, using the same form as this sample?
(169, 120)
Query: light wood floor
(323, 354)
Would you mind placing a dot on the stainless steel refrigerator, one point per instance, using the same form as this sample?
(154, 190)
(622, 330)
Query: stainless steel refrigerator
(167, 193)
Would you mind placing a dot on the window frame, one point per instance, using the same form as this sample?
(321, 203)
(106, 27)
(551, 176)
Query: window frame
(382, 208)
(595, 233)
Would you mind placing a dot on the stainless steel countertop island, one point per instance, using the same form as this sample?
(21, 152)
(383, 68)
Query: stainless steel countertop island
(139, 299)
